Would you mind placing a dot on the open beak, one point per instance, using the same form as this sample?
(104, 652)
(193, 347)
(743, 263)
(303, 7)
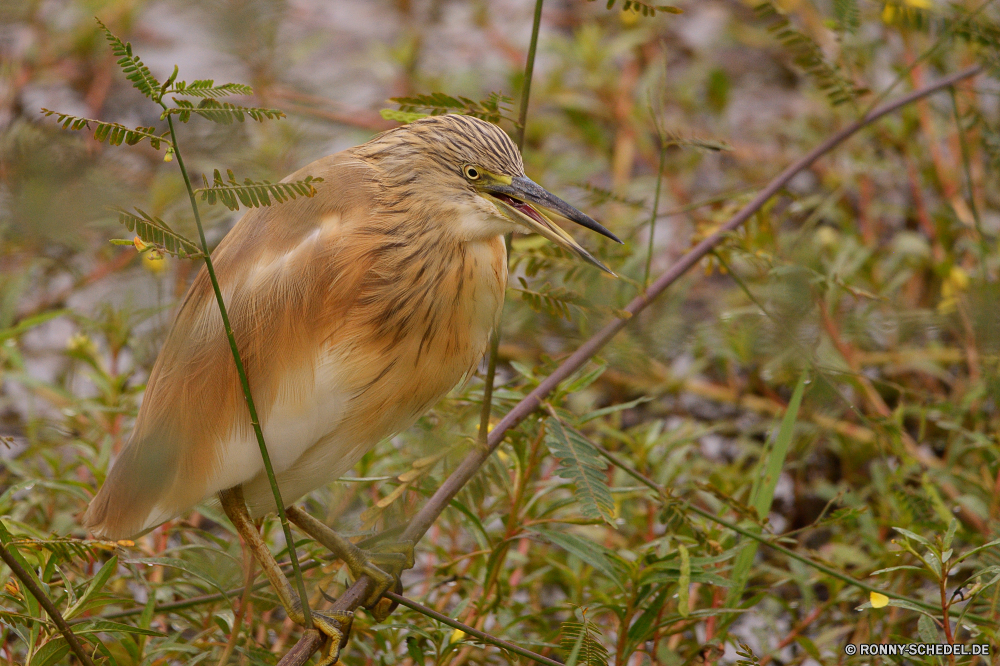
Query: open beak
(522, 200)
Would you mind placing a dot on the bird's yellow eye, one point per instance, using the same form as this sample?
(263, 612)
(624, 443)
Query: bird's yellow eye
(471, 172)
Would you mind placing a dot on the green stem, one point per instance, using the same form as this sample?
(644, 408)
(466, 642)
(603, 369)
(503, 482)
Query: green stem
(529, 70)
(522, 118)
(652, 215)
(244, 382)
(984, 247)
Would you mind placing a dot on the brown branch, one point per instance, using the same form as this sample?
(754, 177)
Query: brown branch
(46, 603)
(428, 514)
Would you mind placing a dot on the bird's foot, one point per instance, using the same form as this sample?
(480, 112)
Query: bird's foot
(384, 565)
(335, 626)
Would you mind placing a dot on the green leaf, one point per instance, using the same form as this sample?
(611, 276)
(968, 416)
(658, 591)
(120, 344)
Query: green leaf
(684, 581)
(136, 72)
(604, 411)
(560, 302)
(491, 109)
(181, 565)
(154, 231)
(927, 630)
(28, 323)
(220, 112)
(53, 652)
(848, 15)
(113, 133)
(253, 194)
(581, 640)
(97, 625)
(581, 464)
(404, 117)
(905, 567)
(591, 553)
(96, 585)
(808, 56)
(910, 535)
(985, 546)
(645, 8)
(762, 493)
(207, 88)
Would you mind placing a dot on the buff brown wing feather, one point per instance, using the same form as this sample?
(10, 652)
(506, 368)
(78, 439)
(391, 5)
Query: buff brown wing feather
(279, 267)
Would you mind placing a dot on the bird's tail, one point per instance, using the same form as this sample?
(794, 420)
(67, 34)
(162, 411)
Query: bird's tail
(131, 500)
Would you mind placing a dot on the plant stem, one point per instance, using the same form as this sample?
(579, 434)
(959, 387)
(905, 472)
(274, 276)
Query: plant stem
(656, 207)
(983, 244)
(244, 381)
(522, 118)
(46, 603)
(529, 70)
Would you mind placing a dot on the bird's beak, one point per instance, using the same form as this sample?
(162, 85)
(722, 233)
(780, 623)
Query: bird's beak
(520, 201)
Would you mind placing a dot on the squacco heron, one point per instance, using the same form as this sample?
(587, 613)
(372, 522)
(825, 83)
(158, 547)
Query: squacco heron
(354, 312)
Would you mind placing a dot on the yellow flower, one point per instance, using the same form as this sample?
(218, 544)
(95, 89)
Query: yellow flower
(879, 600)
(956, 282)
(154, 262)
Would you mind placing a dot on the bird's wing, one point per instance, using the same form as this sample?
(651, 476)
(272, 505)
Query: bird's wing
(288, 274)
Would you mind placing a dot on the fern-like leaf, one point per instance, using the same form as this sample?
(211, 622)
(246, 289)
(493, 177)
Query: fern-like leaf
(154, 231)
(136, 72)
(221, 112)
(253, 194)
(560, 301)
(747, 656)
(600, 195)
(971, 27)
(645, 8)
(809, 57)
(580, 463)
(113, 133)
(207, 88)
(676, 138)
(581, 643)
(848, 14)
(492, 109)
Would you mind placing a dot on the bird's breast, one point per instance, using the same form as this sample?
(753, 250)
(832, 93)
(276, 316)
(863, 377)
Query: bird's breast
(424, 327)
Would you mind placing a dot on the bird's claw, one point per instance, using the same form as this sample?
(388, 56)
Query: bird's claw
(384, 566)
(336, 627)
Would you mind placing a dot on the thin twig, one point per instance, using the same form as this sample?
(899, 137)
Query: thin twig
(244, 381)
(428, 514)
(50, 608)
(522, 118)
(472, 631)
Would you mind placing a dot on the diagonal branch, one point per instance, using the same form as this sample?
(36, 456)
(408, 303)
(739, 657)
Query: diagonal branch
(428, 514)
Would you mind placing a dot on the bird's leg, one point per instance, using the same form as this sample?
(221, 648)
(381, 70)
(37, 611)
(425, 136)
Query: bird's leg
(383, 566)
(336, 626)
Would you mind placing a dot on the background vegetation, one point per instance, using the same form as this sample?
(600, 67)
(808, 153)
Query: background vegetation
(825, 382)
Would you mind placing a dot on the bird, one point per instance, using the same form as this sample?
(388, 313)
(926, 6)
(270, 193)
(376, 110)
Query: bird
(354, 311)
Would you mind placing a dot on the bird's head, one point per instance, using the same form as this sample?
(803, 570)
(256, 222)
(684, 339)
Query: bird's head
(472, 168)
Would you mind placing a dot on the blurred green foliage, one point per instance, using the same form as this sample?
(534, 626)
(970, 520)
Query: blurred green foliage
(874, 275)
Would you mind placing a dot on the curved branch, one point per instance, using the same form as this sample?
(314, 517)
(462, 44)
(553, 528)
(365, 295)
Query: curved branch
(428, 514)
